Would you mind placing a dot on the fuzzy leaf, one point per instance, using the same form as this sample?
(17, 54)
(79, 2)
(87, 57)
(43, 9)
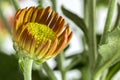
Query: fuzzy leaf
(110, 51)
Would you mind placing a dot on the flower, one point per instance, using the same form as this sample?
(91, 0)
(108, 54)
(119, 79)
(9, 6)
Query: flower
(40, 33)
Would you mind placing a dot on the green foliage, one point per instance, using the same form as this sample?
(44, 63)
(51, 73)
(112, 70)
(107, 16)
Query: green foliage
(113, 70)
(102, 2)
(54, 5)
(9, 69)
(109, 51)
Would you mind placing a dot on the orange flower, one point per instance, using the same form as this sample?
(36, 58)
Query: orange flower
(40, 33)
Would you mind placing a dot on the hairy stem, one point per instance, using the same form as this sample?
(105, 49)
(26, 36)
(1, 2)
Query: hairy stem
(26, 65)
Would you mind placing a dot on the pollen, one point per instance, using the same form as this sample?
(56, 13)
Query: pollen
(41, 32)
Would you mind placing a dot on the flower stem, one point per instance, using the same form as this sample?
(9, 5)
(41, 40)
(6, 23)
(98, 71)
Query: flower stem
(61, 65)
(92, 46)
(108, 23)
(92, 35)
(49, 71)
(26, 65)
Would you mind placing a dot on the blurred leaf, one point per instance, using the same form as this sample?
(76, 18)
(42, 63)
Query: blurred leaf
(49, 72)
(16, 5)
(98, 38)
(38, 75)
(40, 3)
(67, 48)
(113, 70)
(9, 69)
(77, 20)
(54, 4)
(79, 59)
(110, 51)
(102, 2)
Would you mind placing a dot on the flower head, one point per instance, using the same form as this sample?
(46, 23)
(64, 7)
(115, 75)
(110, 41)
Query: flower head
(40, 33)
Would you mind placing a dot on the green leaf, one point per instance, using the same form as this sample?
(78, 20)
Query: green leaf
(54, 4)
(110, 51)
(76, 19)
(9, 69)
(102, 2)
(113, 70)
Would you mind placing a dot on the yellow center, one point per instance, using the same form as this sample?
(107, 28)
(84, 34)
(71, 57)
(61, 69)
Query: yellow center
(41, 31)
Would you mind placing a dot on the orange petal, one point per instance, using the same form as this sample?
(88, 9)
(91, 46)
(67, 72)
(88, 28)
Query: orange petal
(68, 29)
(70, 37)
(52, 48)
(22, 38)
(40, 46)
(60, 28)
(33, 44)
(45, 15)
(28, 14)
(28, 42)
(50, 18)
(39, 15)
(18, 13)
(54, 20)
(44, 49)
(57, 23)
(16, 16)
(34, 15)
(20, 31)
(61, 45)
(20, 19)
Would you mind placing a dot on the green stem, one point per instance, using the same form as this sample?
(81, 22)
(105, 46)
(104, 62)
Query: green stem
(76, 59)
(85, 73)
(61, 65)
(92, 35)
(15, 4)
(86, 12)
(49, 71)
(26, 65)
(108, 23)
(92, 44)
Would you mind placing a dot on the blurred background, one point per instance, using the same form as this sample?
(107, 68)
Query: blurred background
(9, 68)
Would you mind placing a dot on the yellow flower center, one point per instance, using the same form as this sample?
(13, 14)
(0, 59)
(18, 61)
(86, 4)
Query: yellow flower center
(42, 32)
